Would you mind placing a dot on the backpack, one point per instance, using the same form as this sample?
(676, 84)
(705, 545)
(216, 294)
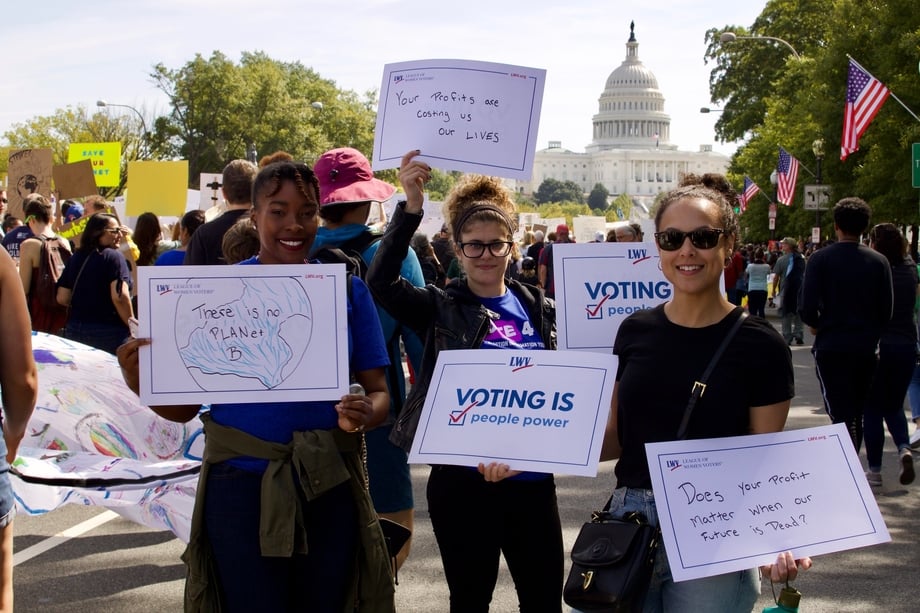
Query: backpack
(51, 262)
(349, 253)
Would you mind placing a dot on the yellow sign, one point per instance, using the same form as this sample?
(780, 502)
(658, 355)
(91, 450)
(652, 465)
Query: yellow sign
(157, 187)
(106, 159)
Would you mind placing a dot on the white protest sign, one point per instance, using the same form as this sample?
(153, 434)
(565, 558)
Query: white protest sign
(733, 503)
(243, 333)
(463, 115)
(542, 411)
(598, 285)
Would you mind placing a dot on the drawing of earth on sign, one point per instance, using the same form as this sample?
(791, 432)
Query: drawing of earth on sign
(250, 333)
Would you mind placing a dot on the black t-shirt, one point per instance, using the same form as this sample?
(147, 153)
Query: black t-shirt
(658, 363)
(205, 246)
(89, 277)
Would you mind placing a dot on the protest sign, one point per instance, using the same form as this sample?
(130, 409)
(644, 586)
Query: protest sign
(157, 187)
(541, 411)
(29, 172)
(598, 285)
(728, 504)
(243, 334)
(105, 159)
(74, 180)
(463, 115)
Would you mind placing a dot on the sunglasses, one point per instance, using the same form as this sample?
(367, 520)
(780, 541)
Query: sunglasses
(701, 238)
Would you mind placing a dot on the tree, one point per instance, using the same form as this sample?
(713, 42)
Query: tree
(597, 199)
(220, 108)
(621, 207)
(554, 190)
(77, 125)
(440, 183)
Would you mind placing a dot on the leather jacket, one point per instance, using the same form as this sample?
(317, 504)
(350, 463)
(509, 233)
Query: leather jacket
(449, 318)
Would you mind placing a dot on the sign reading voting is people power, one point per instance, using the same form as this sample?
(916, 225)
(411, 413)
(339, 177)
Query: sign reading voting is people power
(727, 504)
(243, 333)
(542, 411)
(598, 285)
(462, 115)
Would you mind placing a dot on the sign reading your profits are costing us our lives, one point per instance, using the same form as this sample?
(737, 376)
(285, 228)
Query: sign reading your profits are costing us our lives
(542, 411)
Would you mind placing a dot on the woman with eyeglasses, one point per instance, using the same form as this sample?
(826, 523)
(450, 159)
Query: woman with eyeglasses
(478, 514)
(96, 285)
(663, 350)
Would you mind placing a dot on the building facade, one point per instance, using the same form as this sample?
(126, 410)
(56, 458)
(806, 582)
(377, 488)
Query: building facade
(631, 152)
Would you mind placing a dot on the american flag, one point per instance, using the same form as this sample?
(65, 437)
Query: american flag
(750, 190)
(865, 96)
(787, 171)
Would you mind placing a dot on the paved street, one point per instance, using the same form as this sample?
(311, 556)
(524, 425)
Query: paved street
(119, 566)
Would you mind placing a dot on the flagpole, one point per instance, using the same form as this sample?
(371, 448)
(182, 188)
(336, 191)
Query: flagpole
(890, 93)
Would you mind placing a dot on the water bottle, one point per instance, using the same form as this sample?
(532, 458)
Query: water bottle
(788, 601)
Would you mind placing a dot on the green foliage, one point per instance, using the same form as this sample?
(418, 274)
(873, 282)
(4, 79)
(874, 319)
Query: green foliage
(220, 107)
(771, 99)
(620, 208)
(597, 199)
(554, 190)
(440, 183)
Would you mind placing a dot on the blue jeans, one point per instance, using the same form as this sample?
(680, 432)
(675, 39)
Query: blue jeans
(7, 502)
(886, 401)
(736, 591)
(315, 581)
(913, 394)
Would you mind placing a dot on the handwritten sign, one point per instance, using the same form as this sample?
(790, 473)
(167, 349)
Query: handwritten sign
(728, 504)
(105, 159)
(598, 285)
(242, 333)
(463, 115)
(29, 173)
(542, 411)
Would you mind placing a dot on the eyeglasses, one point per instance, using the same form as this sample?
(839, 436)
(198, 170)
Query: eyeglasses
(113, 230)
(475, 249)
(701, 238)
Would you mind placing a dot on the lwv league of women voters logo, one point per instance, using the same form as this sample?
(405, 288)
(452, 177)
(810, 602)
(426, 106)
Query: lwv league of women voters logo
(601, 285)
(532, 410)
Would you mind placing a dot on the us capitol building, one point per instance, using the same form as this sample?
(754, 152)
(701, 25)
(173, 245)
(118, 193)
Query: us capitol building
(631, 152)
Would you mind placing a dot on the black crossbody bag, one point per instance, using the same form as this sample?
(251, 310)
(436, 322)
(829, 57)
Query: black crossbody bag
(613, 557)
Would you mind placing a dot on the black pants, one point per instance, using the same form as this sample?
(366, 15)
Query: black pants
(475, 521)
(846, 378)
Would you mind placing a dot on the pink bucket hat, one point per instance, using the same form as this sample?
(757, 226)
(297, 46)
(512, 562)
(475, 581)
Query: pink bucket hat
(345, 175)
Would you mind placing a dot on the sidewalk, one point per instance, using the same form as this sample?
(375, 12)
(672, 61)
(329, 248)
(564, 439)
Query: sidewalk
(872, 578)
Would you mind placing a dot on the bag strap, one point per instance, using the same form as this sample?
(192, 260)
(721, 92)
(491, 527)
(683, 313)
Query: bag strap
(79, 272)
(699, 386)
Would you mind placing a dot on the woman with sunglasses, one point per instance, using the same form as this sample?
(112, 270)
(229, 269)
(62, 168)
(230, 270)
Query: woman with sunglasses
(477, 513)
(662, 351)
(96, 285)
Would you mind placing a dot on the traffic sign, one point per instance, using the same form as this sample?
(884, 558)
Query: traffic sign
(816, 197)
(915, 165)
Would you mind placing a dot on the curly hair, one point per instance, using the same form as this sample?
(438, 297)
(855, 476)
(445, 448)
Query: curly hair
(710, 186)
(272, 176)
(479, 198)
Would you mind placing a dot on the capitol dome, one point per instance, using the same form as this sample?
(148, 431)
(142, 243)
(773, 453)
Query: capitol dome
(631, 108)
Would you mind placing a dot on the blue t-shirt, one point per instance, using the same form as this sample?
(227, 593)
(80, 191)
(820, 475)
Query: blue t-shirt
(512, 330)
(277, 421)
(173, 257)
(14, 238)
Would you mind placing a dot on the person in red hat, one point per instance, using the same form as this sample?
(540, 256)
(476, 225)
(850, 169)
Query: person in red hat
(545, 266)
(347, 191)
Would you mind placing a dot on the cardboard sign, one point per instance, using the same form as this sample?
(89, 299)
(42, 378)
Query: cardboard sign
(29, 173)
(157, 187)
(74, 180)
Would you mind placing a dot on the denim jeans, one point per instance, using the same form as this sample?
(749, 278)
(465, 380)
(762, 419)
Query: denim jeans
(7, 502)
(886, 401)
(792, 327)
(315, 581)
(728, 593)
(913, 394)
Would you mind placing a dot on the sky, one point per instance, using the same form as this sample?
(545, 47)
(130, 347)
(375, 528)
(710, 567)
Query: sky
(62, 54)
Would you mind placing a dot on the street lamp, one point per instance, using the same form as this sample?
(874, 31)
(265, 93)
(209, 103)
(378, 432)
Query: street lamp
(728, 37)
(706, 109)
(103, 103)
(817, 147)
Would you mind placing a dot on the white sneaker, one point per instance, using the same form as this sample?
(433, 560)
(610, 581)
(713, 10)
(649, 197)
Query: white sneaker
(906, 476)
(915, 439)
(874, 478)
